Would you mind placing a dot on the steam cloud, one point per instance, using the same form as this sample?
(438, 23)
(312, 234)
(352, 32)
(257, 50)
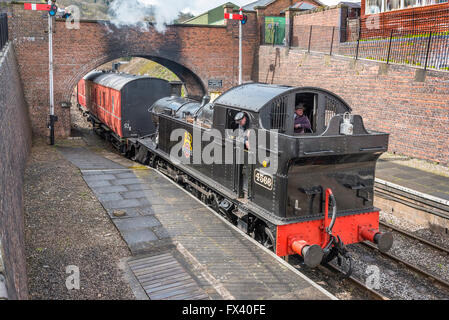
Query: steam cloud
(137, 13)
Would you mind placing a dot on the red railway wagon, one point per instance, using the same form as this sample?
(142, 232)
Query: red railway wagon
(120, 101)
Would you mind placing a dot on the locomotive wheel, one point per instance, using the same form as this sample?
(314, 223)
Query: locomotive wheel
(153, 162)
(131, 153)
(135, 150)
(214, 204)
(267, 239)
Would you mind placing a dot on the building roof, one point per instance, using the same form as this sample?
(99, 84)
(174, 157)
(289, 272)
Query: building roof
(207, 13)
(303, 5)
(351, 4)
(299, 5)
(252, 5)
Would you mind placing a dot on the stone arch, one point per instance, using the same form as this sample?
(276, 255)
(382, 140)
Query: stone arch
(194, 85)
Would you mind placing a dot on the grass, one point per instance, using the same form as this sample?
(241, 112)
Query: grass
(156, 70)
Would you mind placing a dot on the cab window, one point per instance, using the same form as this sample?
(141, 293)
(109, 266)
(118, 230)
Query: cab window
(230, 122)
(205, 116)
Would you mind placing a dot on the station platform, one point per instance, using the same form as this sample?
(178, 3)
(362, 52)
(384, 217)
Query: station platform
(423, 182)
(180, 248)
(415, 191)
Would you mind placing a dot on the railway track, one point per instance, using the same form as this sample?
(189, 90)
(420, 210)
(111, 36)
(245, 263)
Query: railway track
(346, 282)
(376, 295)
(414, 237)
(413, 199)
(410, 266)
(373, 293)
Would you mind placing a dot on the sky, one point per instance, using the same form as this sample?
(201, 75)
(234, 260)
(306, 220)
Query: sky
(133, 12)
(209, 4)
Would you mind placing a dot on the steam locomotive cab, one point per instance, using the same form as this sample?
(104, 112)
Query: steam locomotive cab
(307, 193)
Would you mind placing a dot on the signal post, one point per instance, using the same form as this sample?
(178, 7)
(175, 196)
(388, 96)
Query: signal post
(52, 9)
(242, 20)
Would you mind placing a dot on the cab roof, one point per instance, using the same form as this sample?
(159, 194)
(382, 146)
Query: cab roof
(254, 96)
(251, 96)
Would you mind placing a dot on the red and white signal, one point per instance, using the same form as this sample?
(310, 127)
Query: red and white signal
(37, 7)
(233, 16)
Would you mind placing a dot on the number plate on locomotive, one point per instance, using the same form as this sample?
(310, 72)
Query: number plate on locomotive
(263, 179)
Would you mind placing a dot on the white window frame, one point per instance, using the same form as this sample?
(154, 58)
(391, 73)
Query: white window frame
(384, 5)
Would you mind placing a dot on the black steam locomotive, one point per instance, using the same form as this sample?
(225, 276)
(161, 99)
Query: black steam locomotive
(305, 193)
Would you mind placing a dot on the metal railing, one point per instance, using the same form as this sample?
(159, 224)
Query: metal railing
(3, 30)
(418, 47)
(416, 20)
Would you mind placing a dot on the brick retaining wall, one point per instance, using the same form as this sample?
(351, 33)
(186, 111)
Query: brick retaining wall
(15, 143)
(413, 106)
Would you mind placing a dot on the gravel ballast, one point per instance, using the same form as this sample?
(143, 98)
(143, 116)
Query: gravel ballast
(67, 226)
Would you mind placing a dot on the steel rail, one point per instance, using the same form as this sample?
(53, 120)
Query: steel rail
(372, 292)
(408, 265)
(415, 237)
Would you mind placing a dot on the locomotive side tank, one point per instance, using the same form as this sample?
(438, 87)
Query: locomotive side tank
(120, 101)
(319, 197)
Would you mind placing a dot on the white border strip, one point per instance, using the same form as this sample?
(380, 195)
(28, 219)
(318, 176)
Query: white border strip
(217, 285)
(414, 192)
(280, 260)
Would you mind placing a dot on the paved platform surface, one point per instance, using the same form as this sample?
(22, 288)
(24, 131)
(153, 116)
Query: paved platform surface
(204, 256)
(415, 179)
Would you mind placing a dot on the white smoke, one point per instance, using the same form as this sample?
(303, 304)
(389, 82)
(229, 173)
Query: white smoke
(137, 13)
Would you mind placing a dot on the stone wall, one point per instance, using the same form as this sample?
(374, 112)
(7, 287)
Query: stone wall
(15, 144)
(411, 104)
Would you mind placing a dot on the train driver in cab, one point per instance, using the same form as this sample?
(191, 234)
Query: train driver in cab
(242, 119)
(301, 120)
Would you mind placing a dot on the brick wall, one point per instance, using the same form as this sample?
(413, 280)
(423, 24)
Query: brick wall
(329, 16)
(15, 143)
(390, 99)
(432, 17)
(275, 8)
(321, 20)
(195, 53)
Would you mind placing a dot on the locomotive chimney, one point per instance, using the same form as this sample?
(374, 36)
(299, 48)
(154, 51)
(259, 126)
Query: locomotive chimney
(115, 66)
(176, 88)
